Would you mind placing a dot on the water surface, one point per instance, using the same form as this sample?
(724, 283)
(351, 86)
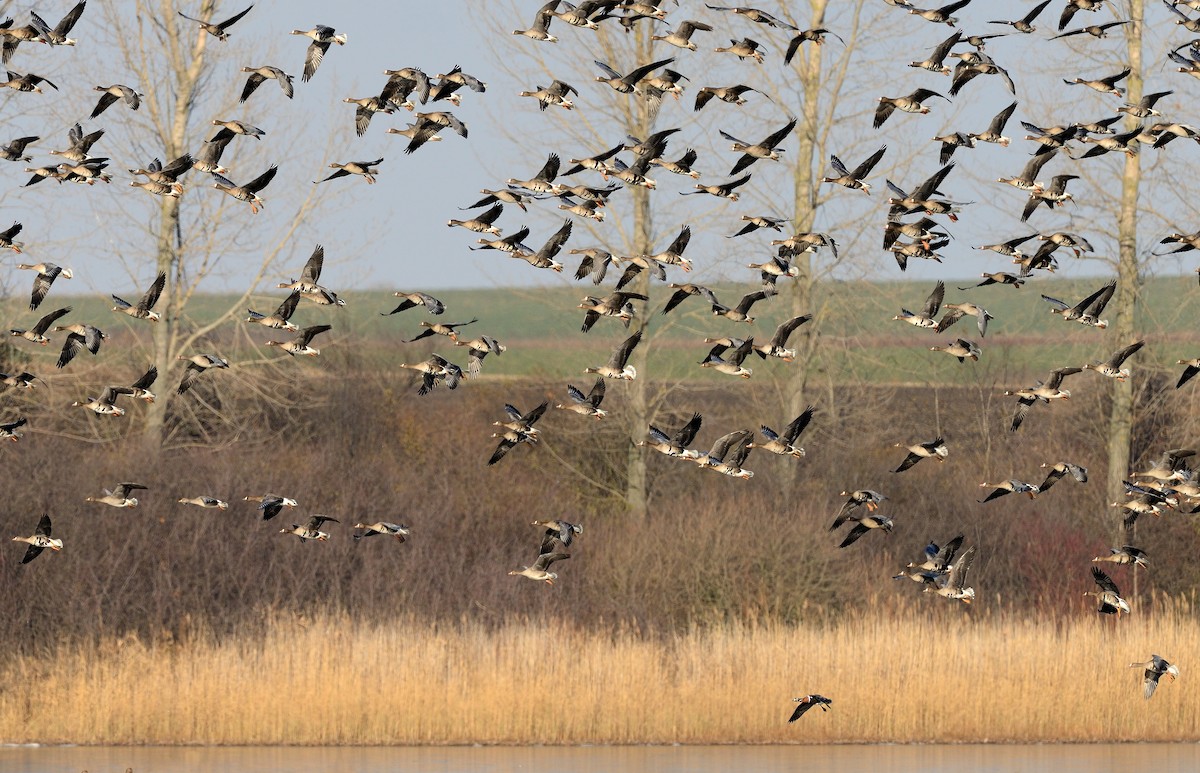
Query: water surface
(1100, 758)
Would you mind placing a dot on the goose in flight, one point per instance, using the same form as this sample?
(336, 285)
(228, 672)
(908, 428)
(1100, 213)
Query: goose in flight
(40, 540)
(37, 334)
(322, 38)
(206, 502)
(909, 103)
(816, 35)
(145, 306)
(625, 84)
(927, 317)
(248, 192)
(560, 530)
(955, 584)
(767, 148)
(785, 444)
(435, 370)
(311, 530)
(1126, 554)
(271, 504)
(854, 179)
(936, 60)
(1051, 389)
(728, 454)
(586, 405)
(935, 449)
(675, 445)
(399, 531)
(1058, 470)
(105, 404)
(1109, 596)
(1112, 366)
(46, 274)
(938, 15)
(301, 344)
(540, 29)
(119, 496)
(961, 348)
(1155, 667)
(415, 299)
(1011, 486)
(218, 30)
(777, 346)
(1103, 85)
(540, 570)
(732, 363)
(1086, 312)
(80, 336)
(197, 364)
(865, 524)
(365, 168)
(259, 75)
(681, 36)
(807, 702)
(116, 92)
(617, 365)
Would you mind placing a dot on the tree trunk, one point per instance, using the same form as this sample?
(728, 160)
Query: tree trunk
(1120, 427)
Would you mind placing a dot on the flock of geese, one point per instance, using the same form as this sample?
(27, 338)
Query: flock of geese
(910, 232)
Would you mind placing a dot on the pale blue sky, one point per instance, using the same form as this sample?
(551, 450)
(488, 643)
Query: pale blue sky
(393, 234)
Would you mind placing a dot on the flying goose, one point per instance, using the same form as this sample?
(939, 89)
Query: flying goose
(910, 103)
(540, 569)
(681, 36)
(435, 370)
(937, 15)
(145, 306)
(46, 274)
(1025, 23)
(322, 38)
(729, 94)
(617, 366)
(560, 530)
(1058, 470)
(1109, 596)
(399, 531)
(40, 540)
(414, 300)
(754, 15)
(557, 93)
(271, 504)
(258, 75)
(1155, 667)
(935, 448)
(477, 349)
(8, 430)
(934, 63)
(957, 311)
(449, 83)
(197, 364)
(785, 444)
(37, 334)
(248, 192)
(22, 380)
(427, 127)
(1045, 392)
(105, 404)
(205, 501)
(14, 149)
(1027, 180)
(728, 454)
(27, 82)
(677, 444)
(1112, 366)
(954, 585)
(617, 304)
(1193, 367)
(519, 430)
(864, 524)
(777, 346)
(586, 405)
(1088, 311)
(1103, 85)
(309, 275)
(746, 48)
(365, 168)
(218, 30)
(1126, 554)
(594, 263)
(724, 190)
(855, 500)
(936, 564)
(1095, 30)
(927, 317)
(741, 312)
(625, 84)
(279, 320)
(807, 702)
(1011, 486)
(816, 35)
(119, 496)
(311, 530)
(854, 179)
(984, 65)
(540, 29)
(1169, 466)
(764, 149)
(80, 336)
(116, 92)
(732, 364)
(995, 130)
(960, 348)
(301, 343)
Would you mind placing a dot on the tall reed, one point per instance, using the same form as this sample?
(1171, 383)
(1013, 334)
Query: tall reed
(915, 676)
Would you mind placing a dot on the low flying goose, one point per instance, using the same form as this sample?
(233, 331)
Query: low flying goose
(365, 168)
(617, 365)
(302, 343)
(766, 149)
(816, 35)
(218, 30)
(864, 525)
(1025, 23)
(994, 132)
(956, 311)
(732, 95)
(399, 531)
(732, 363)
(540, 569)
(205, 501)
(557, 94)
(112, 94)
(741, 312)
(519, 430)
(1109, 596)
(746, 48)
(105, 404)
(681, 36)
(271, 504)
(939, 15)
(248, 192)
(1103, 85)
(322, 38)
(855, 500)
(37, 334)
(785, 444)
(119, 496)
(1058, 470)
(415, 299)
(311, 530)
(728, 454)
(586, 405)
(724, 190)
(955, 583)
(909, 103)
(676, 445)
(40, 540)
(540, 29)
(197, 364)
(46, 274)
(777, 347)
(1155, 667)
(935, 449)
(258, 75)
(960, 348)
(560, 530)
(625, 84)
(280, 319)
(1126, 554)
(1112, 366)
(145, 306)
(80, 336)
(1051, 389)
(1010, 486)
(927, 317)
(934, 62)
(1086, 312)
(8, 430)
(807, 702)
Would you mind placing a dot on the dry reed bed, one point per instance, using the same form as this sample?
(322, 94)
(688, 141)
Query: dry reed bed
(915, 677)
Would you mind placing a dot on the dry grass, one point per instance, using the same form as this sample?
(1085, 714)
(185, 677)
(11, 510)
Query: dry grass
(925, 675)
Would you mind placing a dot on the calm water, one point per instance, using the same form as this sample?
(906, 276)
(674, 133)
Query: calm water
(1123, 758)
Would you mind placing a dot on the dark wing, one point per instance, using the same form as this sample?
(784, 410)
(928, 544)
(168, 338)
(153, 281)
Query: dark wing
(798, 425)
(70, 348)
(1104, 581)
(687, 433)
(312, 269)
(882, 113)
(264, 179)
(1094, 304)
(909, 461)
(308, 333)
(312, 59)
(253, 82)
(1188, 372)
(784, 331)
(934, 301)
(103, 104)
(153, 292)
(147, 380)
(858, 530)
(864, 169)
